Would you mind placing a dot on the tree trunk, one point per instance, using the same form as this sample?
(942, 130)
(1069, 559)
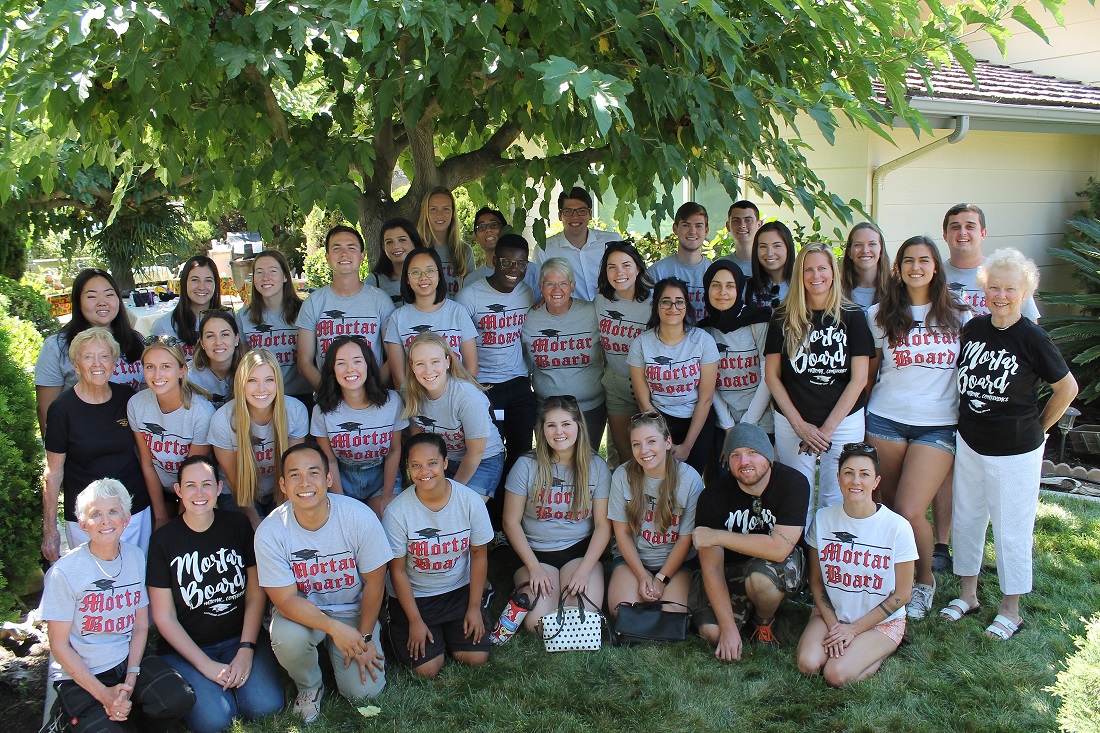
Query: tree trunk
(123, 270)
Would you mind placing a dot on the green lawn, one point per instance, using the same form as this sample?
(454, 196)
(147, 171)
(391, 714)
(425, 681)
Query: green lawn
(950, 677)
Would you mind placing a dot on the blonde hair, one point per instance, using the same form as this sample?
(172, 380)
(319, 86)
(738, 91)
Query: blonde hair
(665, 509)
(188, 389)
(414, 390)
(248, 471)
(93, 335)
(1012, 261)
(581, 502)
(458, 254)
(795, 312)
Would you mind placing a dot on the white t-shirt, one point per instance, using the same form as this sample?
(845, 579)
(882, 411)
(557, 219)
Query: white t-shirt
(222, 435)
(169, 436)
(654, 547)
(548, 523)
(857, 558)
(673, 372)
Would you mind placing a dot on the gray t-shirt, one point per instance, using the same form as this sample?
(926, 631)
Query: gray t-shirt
(548, 523)
(653, 546)
(169, 436)
(222, 436)
(449, 274)
(564, 353)
(620, 322)
(673, 372)
(436, 545)
(329, 315)
(360, 437)
(963, 284)
(100, 599)
(691, 274)
(281, 339)
(461, 413)
(325, 564)
(744, 265)
(740, 392)
(391, 288)
(451, 322)
(498, 318)
(53, 368)
(863, 297)
(163, 326)
(221, 390)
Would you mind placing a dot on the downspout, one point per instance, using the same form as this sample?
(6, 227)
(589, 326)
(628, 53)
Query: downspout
(878, 178)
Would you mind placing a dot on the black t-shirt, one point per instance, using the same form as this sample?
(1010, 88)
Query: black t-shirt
(206, 572)
(817, 377)
(999, 376)
(723, 505)
(98, 443)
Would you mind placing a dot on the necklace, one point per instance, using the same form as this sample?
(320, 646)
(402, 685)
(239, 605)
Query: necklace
(101, 568)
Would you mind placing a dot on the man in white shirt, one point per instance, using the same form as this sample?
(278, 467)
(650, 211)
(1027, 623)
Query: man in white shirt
(579, 244)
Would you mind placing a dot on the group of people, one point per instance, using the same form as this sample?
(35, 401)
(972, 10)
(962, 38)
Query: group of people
(231, 460)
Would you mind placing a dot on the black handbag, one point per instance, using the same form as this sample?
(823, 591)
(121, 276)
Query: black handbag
(648, 621)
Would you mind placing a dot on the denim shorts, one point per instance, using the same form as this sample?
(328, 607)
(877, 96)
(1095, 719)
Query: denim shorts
(940, 437)
(486, 476)
(364, 482)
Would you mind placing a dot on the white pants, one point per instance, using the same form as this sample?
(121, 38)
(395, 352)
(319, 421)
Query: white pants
(1006, 490)
(295, 647)
(850, 430)
(137, 532)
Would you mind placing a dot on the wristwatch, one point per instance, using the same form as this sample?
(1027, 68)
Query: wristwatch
(367, 637)
(247, 645)
(662, 577)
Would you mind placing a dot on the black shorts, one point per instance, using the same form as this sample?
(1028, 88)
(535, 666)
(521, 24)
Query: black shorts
(559, 558)
(443, 614)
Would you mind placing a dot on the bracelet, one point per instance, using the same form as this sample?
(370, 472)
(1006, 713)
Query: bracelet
(133, 670)
(247, 645)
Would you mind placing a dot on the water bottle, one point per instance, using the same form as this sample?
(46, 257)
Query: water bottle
(519, 604)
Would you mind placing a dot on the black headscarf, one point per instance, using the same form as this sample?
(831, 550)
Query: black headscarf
(740, 314)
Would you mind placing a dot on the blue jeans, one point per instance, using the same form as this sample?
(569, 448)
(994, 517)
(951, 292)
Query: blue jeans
(261, 695)
(364, 482)
(486, 475)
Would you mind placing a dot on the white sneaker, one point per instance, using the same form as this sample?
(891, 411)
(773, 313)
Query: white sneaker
(920, 602)
(308, 703)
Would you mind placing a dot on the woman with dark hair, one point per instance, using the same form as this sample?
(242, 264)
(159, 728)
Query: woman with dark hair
(772, 265)
(269, 320)
(399, 238)
(439, 228)
(220, 351)
(489, 224)
(914, 406)
(674, 369)
(96, 301)
(622, 312)
(865, 265)
(200, 291)
(358, 424)
(427, 308)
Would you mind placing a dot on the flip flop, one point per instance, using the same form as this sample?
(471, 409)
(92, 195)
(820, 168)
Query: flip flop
(1006, 630)
(956, 609)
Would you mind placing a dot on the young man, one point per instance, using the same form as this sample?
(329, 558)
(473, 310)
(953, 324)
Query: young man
(691, 226)
(346, 307)
(747, 527)
(498, 305)
(322, 560)
(579, 244)
(742, 221)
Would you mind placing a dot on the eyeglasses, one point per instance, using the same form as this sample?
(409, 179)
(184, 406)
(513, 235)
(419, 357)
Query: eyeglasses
(166, 340)
(583, 211)
(487, 226)
(860, 449)
(668, 304)
(507, 264)
(418, 273)
(558, 285)
(647, 415)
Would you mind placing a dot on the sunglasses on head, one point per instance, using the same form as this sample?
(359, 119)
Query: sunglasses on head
(166, 340)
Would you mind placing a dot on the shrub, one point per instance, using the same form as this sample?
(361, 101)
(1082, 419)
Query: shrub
(1078, 335)
(27, 302)
(1077, 684)
(20, 465)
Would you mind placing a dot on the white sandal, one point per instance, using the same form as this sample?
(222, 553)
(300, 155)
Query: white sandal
(1006, 630)
(956, 609)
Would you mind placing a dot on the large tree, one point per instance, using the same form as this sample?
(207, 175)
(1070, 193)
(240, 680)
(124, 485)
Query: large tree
(265, 105)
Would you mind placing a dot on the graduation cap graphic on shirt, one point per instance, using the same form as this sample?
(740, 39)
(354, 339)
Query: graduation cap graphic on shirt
(334, 314)
(349, 426)
(425, 420)
(556, 482)
(422, 327)
(617, 315)
(428, 533)
(662, 360)
(306, 554)
(256, 440)
(955, 287)
(153, 429)
(496, 308)
(263, 328)
(722, 348)
(846, 538)
(551, 332)
(104, 584)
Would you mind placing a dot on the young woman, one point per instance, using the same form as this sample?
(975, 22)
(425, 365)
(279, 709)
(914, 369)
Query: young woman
(914, 406)
(439, 229)
(652, 510)
(739, 331)
(170, 420)
(220, 351)
(489, 224)
(208, 608)
(861, 577)
(555, 511)
(96, 302)
(269, 319)
(358, 424)
(200, 291)
(622, 311)
(437, 578)
(441, 397)
(399, 237)
(865, 266)
(250, 432)
(772, 265)
(674, 368)
(816, 367)
(427, 308)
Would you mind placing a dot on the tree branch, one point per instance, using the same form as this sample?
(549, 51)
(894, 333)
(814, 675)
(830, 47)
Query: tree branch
(278, 120)
(468, 166)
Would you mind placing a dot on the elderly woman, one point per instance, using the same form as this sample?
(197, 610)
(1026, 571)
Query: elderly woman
(561, 343)
(88, 437)
(1002, 359)
(97, 612)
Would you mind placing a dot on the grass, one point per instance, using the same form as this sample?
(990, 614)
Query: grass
(949, 678)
